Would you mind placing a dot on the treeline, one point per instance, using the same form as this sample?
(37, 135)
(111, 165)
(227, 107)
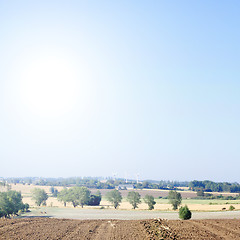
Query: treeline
(203, 195)
(109, 183)
(209, 186)
(67, 182)
(98, 183)
(164, 185)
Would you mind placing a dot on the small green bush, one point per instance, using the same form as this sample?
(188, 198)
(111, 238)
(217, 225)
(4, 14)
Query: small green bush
(231, 208)
(185, 213)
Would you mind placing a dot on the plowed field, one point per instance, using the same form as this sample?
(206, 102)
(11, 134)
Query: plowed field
(46, 228)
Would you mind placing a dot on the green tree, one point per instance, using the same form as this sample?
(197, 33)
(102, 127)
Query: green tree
(76, 195)
(134, 198)
(15, 199)
(82, 195)
(149, 200)
(10, 203)
(114, 197)
(39, 196)
(72, 197)
(5, 205)
(185, 213)
(63, 196)
(175, 199)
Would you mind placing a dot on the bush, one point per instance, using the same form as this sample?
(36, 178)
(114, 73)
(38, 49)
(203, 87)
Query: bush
(231, 208)
(25, 207)
(94, 200)
(185, 213)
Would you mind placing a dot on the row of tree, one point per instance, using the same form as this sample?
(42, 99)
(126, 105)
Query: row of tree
(134, 198)
(80, 196)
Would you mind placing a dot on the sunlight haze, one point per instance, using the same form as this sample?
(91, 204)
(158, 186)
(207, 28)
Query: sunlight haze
(96, 88)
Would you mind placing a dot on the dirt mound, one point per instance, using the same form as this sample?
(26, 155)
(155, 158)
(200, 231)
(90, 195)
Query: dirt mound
(46, 228)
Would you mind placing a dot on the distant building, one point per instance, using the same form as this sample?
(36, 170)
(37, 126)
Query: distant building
(125, 187)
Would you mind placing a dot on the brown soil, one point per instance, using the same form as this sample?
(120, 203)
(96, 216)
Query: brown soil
(46, 228)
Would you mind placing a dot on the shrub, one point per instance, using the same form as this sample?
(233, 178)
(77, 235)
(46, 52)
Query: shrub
(94, 200)
(25, 207)
(231, 208)
(185, 213)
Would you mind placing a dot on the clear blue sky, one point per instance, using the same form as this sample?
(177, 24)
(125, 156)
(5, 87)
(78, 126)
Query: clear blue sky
(92, 88)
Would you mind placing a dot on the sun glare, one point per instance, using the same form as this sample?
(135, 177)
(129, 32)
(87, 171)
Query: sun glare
(49, 87)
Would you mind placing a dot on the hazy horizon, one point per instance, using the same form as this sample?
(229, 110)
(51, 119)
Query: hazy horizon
(129, 180)
(93, 88)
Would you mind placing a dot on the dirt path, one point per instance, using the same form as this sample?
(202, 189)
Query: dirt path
(83, 214)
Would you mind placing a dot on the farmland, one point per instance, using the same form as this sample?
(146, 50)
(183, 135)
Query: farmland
(162, 204)
(45, 228)
(209, 220)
